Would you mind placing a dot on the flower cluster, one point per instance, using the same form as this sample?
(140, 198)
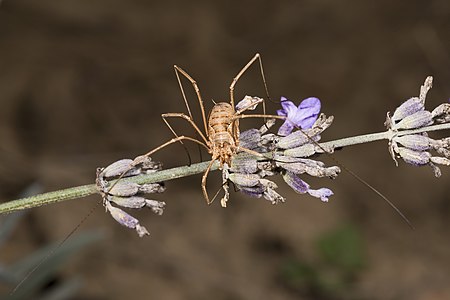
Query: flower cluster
(129, 194)
(414, 148)
(285, 153)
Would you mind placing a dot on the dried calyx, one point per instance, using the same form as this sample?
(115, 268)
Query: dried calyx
(415, 149)
(286, 154)
(128, 194)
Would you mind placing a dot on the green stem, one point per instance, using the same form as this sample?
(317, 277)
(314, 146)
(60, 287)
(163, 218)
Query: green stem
(178, 172)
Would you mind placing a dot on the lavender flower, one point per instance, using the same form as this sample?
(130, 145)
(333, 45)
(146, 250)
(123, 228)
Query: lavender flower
(302, 116)
(283, 156)
(302, 187)
(128, 194)
(415, 149)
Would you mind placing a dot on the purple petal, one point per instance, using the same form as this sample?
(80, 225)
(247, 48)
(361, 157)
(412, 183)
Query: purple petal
(307, 112)
(302, 116)
(286, 128)
(322, 193)
(288, 106)
(281, 112)
(311, 102)
(296, 183)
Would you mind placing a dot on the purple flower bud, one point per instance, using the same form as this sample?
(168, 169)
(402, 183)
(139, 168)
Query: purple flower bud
(130, 202)
(322, 193)
(250, 138)
(295, 139)
(124, 189)
(302, 187)
(414, 141)
(246, 180)
(118, 167)
(126, 220)
(256, 191)
(408, 108)
(302, 116)
(295, 183)
(416, 120)
(416, 158)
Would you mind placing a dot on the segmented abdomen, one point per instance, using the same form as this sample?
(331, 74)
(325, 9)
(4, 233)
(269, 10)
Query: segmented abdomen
(220, 131)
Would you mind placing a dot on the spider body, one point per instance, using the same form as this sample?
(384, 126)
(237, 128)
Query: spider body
(223, 133)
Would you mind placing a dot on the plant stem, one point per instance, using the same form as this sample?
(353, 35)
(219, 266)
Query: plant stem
(178, 172)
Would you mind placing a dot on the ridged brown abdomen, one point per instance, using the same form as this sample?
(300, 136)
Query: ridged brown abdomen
(220, 119)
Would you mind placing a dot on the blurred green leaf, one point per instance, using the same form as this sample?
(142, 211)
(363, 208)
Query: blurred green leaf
(343, 248)
(299, 273)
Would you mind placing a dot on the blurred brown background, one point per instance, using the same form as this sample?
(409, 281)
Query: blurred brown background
(83, 83)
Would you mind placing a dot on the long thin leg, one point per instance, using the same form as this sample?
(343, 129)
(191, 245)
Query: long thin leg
(176, 135)
(140, 158)
(235, 117)
(205, 175)
(197, 91)
(187, 118)
(233, 83)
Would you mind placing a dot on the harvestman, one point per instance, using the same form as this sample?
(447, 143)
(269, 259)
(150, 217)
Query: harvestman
(221, 137)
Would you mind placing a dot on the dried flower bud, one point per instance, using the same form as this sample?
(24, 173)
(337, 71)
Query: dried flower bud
(244, 162)
(126, 220)
(255, 191)
(119, 167)
(156, 206)
(268, 184)
(247, 180)
(302, 137)
(124, 189)
(443, 151)
(150, 188)
(248, 103)
(427, 85)
(416, 142)
(441, 114)
(416, 158)
(150, 166)
(275, 198)
(302, 151)
(250, 138)
(416, 120)
(407, 108)
(129, 202)
(440, 160)
(297, 138)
